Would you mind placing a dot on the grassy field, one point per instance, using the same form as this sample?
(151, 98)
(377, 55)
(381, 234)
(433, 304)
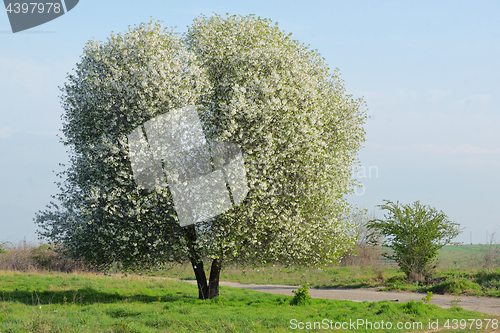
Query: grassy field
(446, 281)
(333, 277)
(58, 302)
(465, 256)
(455, 275)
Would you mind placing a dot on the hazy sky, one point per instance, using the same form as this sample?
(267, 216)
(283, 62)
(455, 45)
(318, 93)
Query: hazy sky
(428, 70)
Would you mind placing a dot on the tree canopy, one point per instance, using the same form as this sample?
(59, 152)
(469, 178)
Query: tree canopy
(252, 84)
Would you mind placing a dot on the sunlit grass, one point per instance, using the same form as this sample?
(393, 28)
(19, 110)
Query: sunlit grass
(447, 281)
(56, 302)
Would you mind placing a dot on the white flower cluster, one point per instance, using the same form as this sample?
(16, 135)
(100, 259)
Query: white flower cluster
(275, 98)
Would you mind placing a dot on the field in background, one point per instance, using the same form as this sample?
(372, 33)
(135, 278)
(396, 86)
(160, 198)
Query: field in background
(469, 256)
(477, 256)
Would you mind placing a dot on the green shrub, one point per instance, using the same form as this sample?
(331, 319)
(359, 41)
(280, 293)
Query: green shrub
(415, 233)
(427, 299)
(301, 296)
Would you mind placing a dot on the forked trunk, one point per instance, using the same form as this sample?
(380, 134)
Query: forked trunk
(205, 290)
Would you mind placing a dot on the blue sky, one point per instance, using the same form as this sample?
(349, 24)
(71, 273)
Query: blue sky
(429, 72)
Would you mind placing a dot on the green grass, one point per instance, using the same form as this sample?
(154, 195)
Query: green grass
(454, 282)
(467, 248)
(461, 256)
(55, 302)
(464, 256)
(332, 277)
(447, 281)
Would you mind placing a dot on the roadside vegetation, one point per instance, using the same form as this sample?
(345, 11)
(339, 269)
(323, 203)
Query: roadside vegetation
(367, 270)
(446, 281)
(83, 302)
(415, 233)
(26, 257)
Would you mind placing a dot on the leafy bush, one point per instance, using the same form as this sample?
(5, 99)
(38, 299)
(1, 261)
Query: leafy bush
(385, 308)
(43, 255)
(488, 278)
(301, 296)
(415, 232)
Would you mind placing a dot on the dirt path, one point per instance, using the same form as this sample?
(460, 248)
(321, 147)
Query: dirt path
(482, 304)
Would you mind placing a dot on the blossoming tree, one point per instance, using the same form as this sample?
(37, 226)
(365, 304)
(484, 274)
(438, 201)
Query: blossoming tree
(299, 133)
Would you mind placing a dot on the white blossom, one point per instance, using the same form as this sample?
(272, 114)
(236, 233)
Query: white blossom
(298, 130)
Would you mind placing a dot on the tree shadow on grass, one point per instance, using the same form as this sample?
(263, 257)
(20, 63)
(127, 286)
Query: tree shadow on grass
(88, 296)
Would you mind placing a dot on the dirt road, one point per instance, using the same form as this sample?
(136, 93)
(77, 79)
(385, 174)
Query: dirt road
(482, 304)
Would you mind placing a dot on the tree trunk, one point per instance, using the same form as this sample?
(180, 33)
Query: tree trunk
(205, 290)
(197, 263)
(213, 285)
(201, 279)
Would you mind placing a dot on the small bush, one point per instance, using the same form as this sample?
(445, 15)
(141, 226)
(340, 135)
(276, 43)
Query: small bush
(301, 296)
(427, 299)
(488, 278)
(385, 309)
(47, 258)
